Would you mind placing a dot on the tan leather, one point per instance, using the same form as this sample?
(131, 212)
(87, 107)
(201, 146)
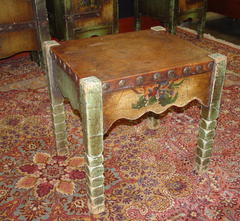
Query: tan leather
(115, 57)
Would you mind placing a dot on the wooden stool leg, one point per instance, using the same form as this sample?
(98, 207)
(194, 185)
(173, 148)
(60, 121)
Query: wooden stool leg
(210, 114)
(92, 121)
(137, 16)
(172, 16)
(152, 122)
(56, 101)
(202, 22)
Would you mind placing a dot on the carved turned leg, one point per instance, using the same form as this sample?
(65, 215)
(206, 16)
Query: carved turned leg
(56, 101)
(92, 121)
(210, 114)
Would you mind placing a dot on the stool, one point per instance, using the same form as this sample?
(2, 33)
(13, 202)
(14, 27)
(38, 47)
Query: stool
(124, 76)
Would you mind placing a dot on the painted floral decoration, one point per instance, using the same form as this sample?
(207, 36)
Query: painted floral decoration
(164, 93)
(48, 173)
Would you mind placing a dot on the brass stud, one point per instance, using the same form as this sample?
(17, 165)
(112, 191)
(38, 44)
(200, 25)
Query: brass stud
(156, 76)
(122, 83)
(171, 74)
(210, 65)
(199, 68)
(76, 77)
(139, 80)
(71, 72)
(68, 70)
(186, 71)
(105, 86)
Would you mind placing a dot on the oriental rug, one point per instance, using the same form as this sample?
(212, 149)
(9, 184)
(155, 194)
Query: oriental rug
(149, 173)
(18, 69)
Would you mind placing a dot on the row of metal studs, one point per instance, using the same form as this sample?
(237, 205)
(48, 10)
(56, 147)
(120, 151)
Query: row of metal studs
(64, 66)
(156, 76)
(140, 79)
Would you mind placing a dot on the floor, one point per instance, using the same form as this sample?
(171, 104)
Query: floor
(223, 27)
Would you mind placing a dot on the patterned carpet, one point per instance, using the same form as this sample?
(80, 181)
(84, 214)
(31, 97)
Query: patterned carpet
(19, 69)
(149, 173)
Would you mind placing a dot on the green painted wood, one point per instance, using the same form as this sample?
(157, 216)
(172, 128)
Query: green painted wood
(94, 161)
(173, 5)
(95, 171)
(210, 114)
(204, 153)
(161, 9)
(137, 16)
(153, 123)
(56, 101)
(207, 125)
(202, 22)
(97, 201)
(204, 144)
(94, 192)
(92, 31)
(206, 134)
(94, 182)
(64, 16)
(42, 28)
(56, 12)
(67, 87)
(91, 109)
(115, 28)
(168, 12)
(202, 163)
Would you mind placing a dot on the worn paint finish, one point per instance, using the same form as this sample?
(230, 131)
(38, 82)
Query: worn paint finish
(171, 12)
(56, 101)
(90, 94)
(14, 42)
(15, 11)
(210, 113)
(74, 19)
(24, 27)
(124, 101)
(164, 10)
(42, 27)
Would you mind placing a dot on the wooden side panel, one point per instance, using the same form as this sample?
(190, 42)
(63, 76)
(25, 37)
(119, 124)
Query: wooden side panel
(15, 42)
(186, 5)
(100, 25)
(85, 6)
(154, 8)
(133, 103)
(75, 19)
(14, 11)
